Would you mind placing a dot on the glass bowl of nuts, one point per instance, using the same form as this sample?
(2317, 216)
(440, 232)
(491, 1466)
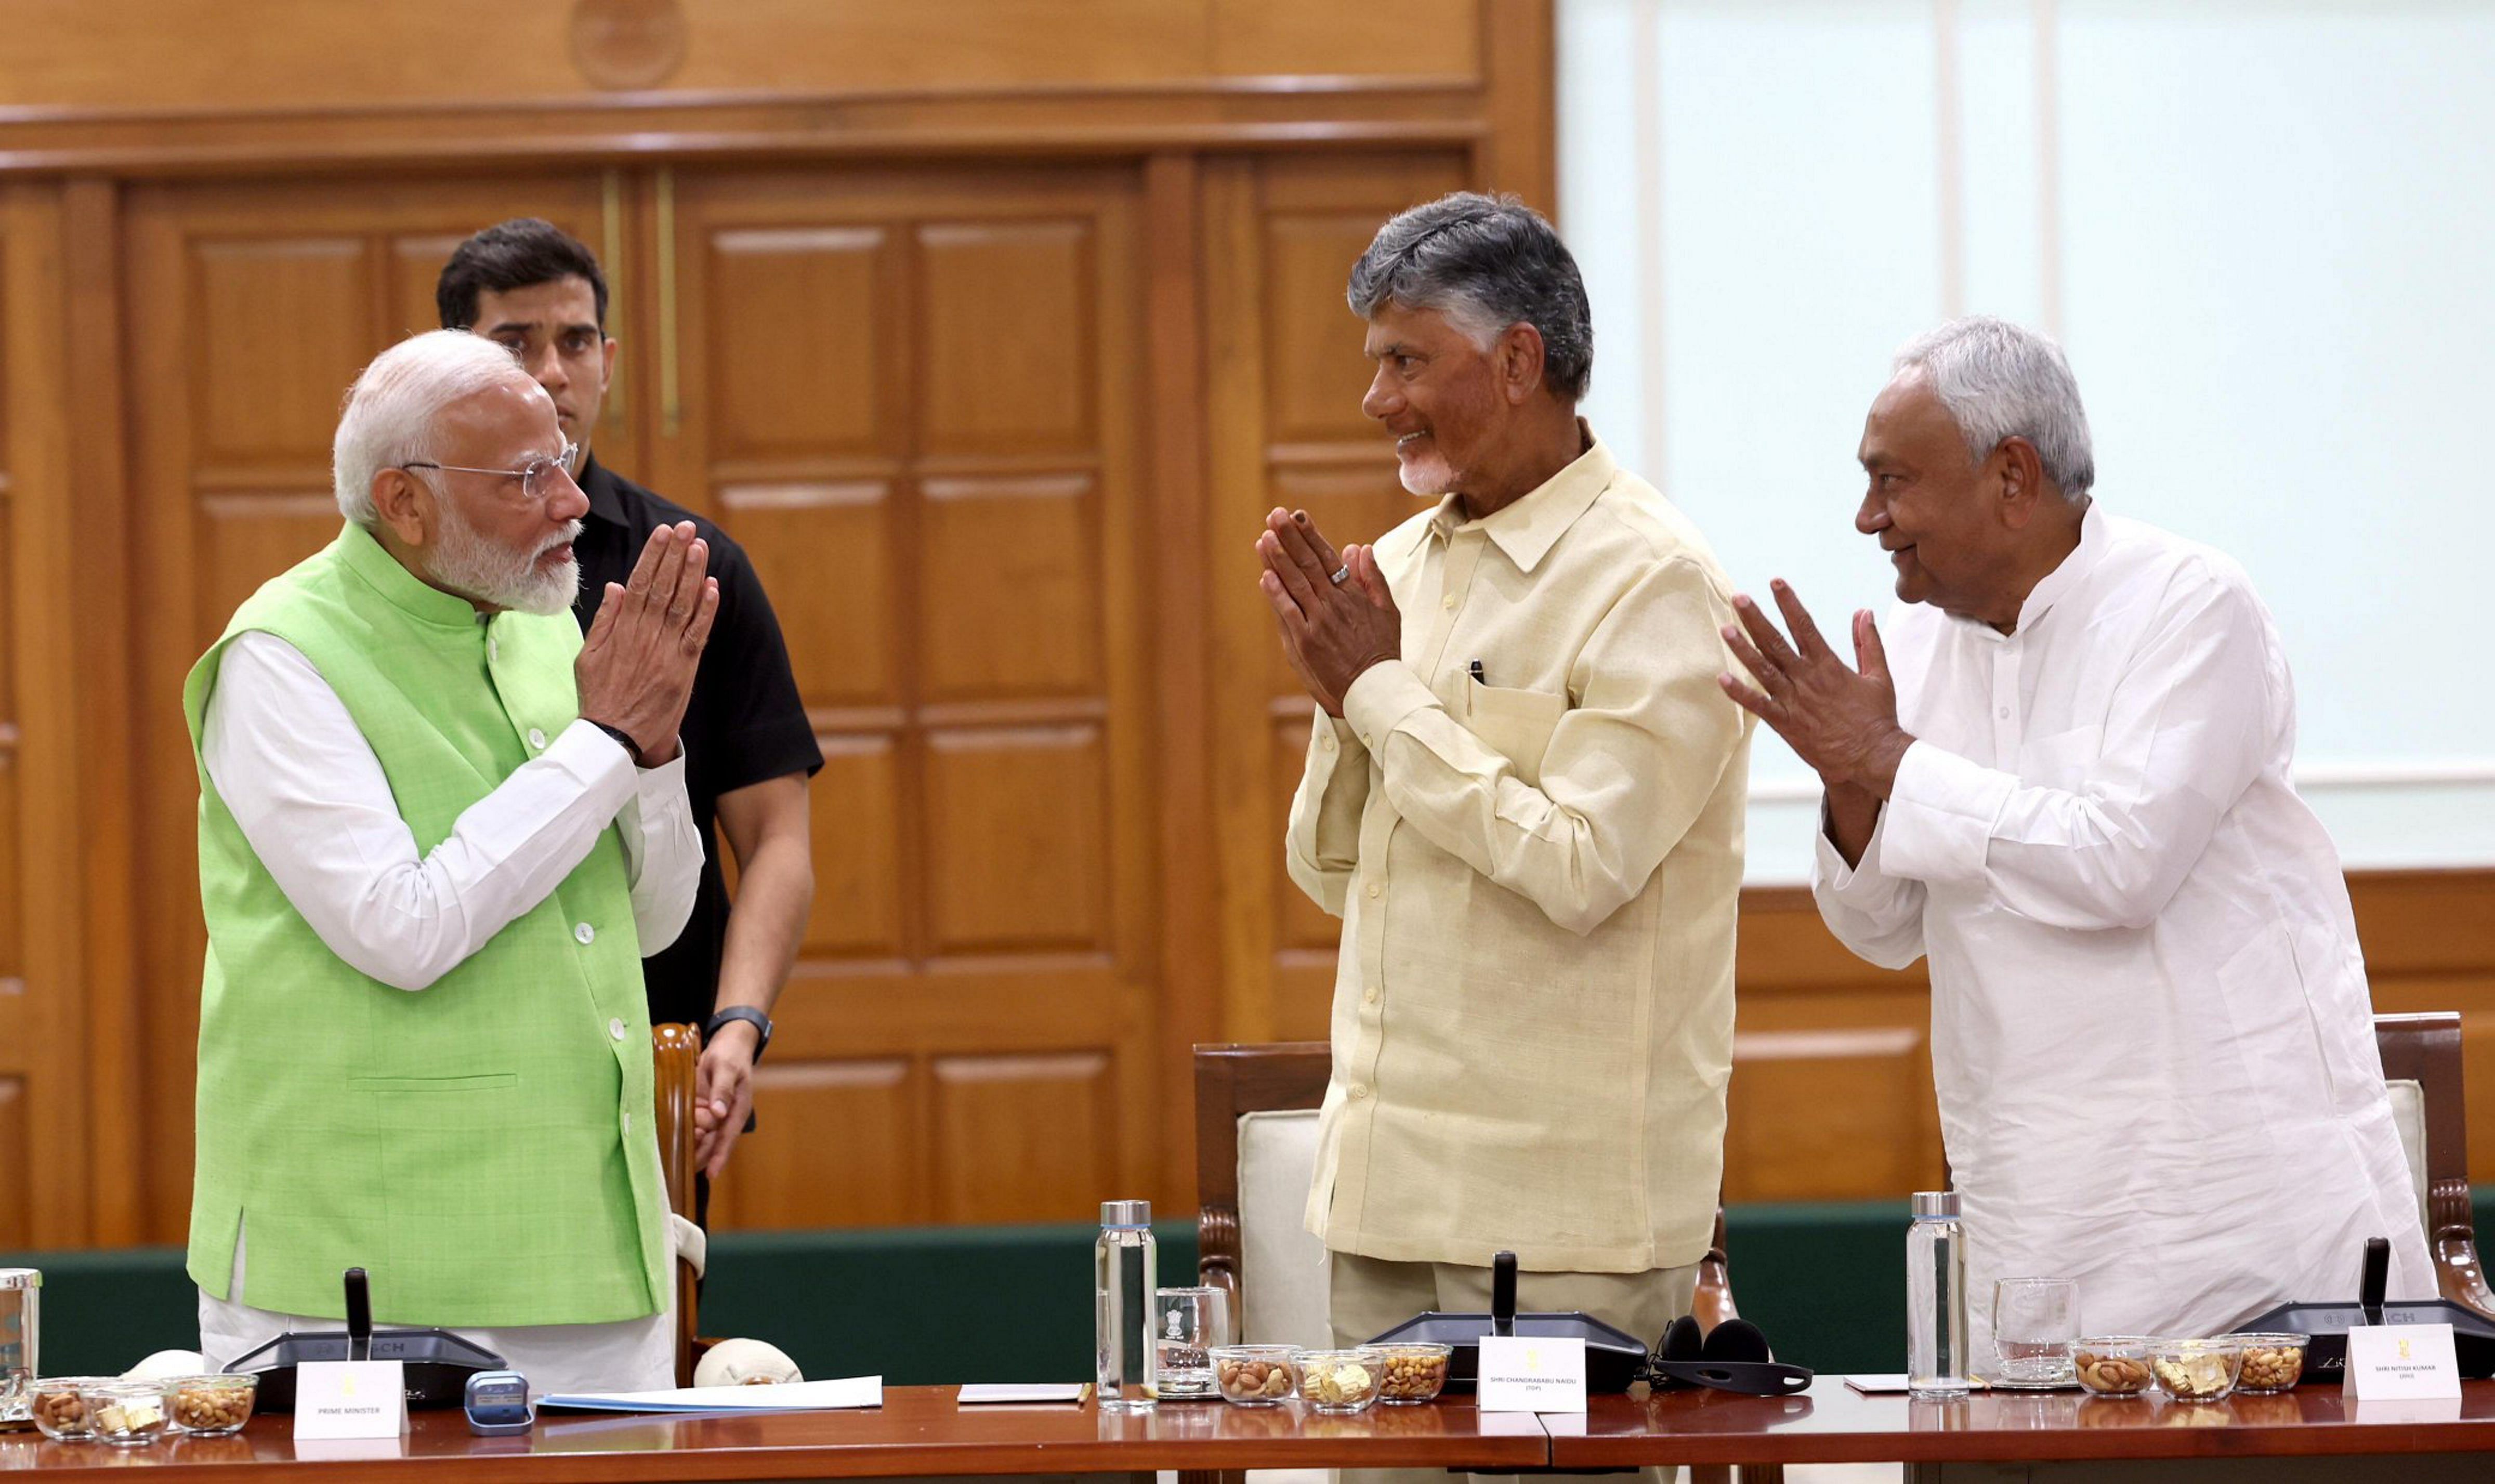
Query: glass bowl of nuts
(1413, 1372)
(210, 1403)
(2113, 1365)
(59, 1410)
(2271, 1362)
(2196, 1370)
(1255, 1374)
(126, 1413)
(1340, 1381)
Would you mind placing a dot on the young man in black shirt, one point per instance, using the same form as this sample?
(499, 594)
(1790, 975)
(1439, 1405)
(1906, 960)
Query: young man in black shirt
(749, 748)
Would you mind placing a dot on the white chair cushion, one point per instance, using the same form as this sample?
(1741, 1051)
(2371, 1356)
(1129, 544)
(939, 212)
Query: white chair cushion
(1282, 1268)
(2407, 1114)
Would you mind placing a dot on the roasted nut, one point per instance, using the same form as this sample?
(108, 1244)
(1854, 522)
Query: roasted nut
(2111, 1375)
(1412, 1377)
(2271, 1368)
(60, 1411)
(201, 1406)
(1244, 1380)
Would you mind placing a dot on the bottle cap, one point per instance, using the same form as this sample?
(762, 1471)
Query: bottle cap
(1125, 1213)
(1929, 1203)
(20, 1278)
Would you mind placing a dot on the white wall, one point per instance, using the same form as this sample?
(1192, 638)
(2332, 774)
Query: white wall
(2264, 231)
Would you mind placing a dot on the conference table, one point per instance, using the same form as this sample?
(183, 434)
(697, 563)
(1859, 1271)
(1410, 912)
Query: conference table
(923, 1432)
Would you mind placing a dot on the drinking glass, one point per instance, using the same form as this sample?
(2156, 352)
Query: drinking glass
(1187, 1324)
(2035, 1322)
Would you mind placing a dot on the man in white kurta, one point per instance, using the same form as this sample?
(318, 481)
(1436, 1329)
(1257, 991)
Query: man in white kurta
(2151, 1036)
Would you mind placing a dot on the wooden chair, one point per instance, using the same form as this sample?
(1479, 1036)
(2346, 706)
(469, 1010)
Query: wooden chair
(677, 1051)
(2423, 1052)
(1233, 1081)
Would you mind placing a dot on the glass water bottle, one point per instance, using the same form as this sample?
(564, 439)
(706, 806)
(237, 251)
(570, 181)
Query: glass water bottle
(1936, 1298)
(1122, 1320)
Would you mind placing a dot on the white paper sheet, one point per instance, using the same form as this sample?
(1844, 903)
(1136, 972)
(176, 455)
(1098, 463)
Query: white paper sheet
(1006, 1393)
(797, 1397)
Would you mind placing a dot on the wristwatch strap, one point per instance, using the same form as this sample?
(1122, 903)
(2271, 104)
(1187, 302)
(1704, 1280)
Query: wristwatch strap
(760, 1022)
(623, 738)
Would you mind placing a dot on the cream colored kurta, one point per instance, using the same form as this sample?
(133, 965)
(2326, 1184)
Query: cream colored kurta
(1538, 872)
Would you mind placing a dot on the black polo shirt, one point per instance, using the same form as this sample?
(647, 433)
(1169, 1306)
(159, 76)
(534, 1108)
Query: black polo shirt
(743, 726)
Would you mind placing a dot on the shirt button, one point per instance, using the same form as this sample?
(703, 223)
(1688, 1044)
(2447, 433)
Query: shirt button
(536, 737)
(1370, 998)
(584, 932)
(1325, 740)
(1373, 890)
(1358, 1090)
(2003, 713)
(493, 651)
(615, 1028)
(1364, 740)
(1448, 602)
(628, 1122)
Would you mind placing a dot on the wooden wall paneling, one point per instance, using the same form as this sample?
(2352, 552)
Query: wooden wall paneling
(250, 308)
(1286, 373)
(44, 1111)
(1520, 148)
(942, 490)
(1180, 638)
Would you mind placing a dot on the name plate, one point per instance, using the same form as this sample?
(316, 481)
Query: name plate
(1531, 1374)
(2400, 1363)
(349, 1399)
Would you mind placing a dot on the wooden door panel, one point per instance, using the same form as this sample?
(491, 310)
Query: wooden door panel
(1015, 845)
(866, 1109)
(1025, 1138)
(830, 289)
(1009, 327)
(16, 1226)
(824, 552)
(907, 394)
(250, 308)
(856, 829)
(1013, 555)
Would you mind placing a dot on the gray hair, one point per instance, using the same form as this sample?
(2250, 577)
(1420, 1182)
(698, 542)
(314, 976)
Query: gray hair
(390, 410)
(2002, 380)
(1485, 262)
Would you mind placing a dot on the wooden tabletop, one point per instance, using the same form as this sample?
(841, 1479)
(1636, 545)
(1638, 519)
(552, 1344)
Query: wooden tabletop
(1832, 1423)
(919, 1430)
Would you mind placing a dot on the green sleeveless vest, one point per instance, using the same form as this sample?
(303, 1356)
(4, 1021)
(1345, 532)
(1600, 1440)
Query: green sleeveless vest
(484, 1147)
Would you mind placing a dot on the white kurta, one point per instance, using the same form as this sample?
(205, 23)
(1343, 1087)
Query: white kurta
(2151, 1034)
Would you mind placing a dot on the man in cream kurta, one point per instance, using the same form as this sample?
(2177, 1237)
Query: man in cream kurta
(1523, 795)
(2151, 1036)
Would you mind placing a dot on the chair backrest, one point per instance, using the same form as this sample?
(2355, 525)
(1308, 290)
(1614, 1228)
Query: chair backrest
(2421, 1065)
(1255, 1155)
(676, 1051)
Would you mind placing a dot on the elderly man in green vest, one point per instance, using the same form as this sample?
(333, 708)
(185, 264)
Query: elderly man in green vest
(439, 828)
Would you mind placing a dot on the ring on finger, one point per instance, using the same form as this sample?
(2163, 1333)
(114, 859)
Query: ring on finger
(1341, 574)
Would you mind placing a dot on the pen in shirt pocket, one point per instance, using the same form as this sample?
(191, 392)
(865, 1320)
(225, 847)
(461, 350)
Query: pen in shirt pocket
(1475, 671)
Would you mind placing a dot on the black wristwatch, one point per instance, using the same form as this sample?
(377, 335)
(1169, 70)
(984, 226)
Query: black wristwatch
(760, 1023)
(622, 739)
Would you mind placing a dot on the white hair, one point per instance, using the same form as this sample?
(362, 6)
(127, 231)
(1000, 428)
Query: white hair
(2001, 381)
(390, 410)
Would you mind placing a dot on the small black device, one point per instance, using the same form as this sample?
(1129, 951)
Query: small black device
(498, 1403)
(2326, 1353)
(1735, 1358)
(437, 1363)
(760, 1023)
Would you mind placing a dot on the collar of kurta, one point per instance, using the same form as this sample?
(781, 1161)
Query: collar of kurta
(409, 594)
(1526, 529)
(2049, 590)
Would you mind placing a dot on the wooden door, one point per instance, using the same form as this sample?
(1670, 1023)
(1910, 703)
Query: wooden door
(911, 395)
(1285, 373)
(251, 309)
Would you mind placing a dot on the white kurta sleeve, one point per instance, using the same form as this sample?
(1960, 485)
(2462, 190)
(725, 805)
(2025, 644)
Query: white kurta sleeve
(2186, 734)
(663, 850)
(286, 757)
(1626, 771)
(1878, 917)
(1322, 842)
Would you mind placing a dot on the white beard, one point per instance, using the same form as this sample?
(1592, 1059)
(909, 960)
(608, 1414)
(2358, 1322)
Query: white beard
(1429, 475)
(468, 564)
